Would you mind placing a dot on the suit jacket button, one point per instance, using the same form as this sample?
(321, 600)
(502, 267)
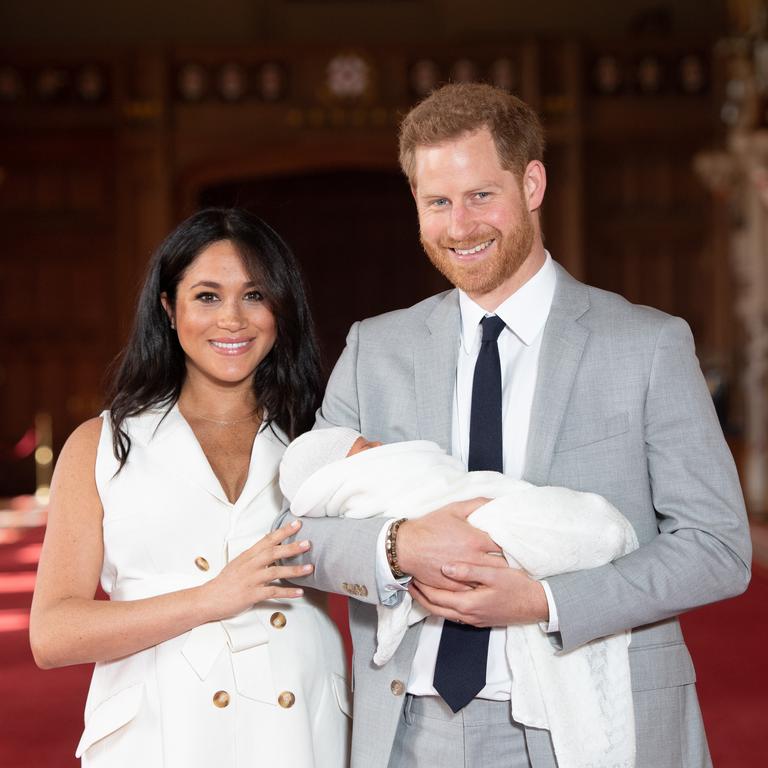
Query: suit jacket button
(278, 620)
(397, 687)
(202, 563)
(221, 699)
(286, 699)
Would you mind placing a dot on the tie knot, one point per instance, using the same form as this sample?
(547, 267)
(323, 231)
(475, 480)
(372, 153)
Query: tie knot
(492, 327)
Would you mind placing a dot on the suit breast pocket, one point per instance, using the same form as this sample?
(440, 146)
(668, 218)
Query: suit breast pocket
(592, 431)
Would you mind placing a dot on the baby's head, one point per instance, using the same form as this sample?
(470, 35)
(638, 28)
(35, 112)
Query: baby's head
(362, 444)
(313, 450)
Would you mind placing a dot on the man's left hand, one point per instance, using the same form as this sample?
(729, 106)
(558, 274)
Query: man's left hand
(499, 596)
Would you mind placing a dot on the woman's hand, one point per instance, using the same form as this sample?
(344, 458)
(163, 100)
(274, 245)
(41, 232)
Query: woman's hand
(248, 579)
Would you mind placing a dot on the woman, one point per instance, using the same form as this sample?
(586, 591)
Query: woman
(201, 658)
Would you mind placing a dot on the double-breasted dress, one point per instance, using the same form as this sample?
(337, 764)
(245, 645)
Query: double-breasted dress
(265, 687)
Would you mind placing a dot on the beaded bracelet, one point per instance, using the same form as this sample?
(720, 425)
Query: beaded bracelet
(391, 547)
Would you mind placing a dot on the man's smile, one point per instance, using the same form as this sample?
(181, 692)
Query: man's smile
(474, 250)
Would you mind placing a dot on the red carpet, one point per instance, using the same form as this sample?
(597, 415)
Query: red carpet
(41, 712)
(729, 645)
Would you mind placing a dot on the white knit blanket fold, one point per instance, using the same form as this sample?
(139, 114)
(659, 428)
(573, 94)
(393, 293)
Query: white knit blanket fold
(583, 697)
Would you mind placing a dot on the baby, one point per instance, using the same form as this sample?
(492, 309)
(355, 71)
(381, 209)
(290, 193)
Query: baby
(582, 697)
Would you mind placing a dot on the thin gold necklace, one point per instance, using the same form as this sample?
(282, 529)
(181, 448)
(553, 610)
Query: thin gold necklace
(223, 422)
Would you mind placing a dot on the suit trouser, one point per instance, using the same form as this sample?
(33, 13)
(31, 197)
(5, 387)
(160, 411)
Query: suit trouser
(429, 734)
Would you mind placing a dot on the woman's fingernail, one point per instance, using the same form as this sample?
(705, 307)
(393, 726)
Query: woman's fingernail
(295, 524)
(304, 544)
(299, 592)
(449, 570)
(306, 568)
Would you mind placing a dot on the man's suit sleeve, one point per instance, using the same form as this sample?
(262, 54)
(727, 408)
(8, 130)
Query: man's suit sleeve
(343, 550)
(703, 550)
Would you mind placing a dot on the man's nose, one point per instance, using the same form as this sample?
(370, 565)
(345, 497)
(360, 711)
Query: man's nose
(461, 223)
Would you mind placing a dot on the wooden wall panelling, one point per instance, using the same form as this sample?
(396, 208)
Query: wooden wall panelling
(560, 106)
(144, 183)
(58, 250)
(648, 218)
(355, 235)
(648, 234)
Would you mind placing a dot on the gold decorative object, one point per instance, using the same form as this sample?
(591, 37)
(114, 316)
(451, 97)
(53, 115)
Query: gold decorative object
(43, 456)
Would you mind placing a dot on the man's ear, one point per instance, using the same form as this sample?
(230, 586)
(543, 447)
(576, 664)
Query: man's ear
(534, 185)
(167, 308)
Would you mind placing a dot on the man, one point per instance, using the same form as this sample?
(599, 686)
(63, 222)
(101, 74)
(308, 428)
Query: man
(523, 368)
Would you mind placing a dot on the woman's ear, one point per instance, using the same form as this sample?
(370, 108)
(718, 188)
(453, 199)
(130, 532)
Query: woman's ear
(167, 308)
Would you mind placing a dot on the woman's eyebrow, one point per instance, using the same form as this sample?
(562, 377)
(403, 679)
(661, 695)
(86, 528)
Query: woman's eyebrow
(213, 284)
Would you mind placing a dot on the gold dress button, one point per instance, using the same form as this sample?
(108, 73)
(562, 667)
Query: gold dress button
(286, 699)
(221, 699)
(202, 563)
(397, 687)
(278, 620)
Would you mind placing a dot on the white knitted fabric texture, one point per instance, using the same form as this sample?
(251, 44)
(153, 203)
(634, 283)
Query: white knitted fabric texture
(311, 451)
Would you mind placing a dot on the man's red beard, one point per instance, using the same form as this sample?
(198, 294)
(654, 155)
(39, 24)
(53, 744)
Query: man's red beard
(485, 275)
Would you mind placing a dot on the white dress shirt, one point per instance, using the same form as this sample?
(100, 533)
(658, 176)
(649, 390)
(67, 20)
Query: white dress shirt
(525, 314)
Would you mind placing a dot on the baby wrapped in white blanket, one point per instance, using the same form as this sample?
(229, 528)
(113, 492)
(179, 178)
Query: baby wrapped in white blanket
(582, 697)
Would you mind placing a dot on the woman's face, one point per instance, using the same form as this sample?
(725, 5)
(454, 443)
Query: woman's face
(223, 323)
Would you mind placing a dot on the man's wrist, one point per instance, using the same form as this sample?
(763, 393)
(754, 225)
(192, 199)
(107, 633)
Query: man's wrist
(552, 624)
(540, 602)
(403, 551)
(391, 547)
(389, 588)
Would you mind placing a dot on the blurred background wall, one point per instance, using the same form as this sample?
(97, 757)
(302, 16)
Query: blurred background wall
(119, 119)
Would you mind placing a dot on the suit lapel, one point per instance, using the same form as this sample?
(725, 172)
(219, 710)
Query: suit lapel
(268, 448)
(562, 347)
(171, 442)
(434, 365)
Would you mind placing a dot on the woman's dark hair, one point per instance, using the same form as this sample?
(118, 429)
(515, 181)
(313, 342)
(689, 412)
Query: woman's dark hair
(151, 369)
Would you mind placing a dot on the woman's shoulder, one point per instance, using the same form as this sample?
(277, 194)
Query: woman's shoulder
(87, 435)
(81, 446)
(142, 426)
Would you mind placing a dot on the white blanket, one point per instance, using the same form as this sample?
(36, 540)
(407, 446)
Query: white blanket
(582, 697)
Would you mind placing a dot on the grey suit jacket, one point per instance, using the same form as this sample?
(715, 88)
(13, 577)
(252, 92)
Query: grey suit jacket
(620, 409)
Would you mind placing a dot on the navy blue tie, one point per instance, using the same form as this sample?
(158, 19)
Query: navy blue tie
(462, 655)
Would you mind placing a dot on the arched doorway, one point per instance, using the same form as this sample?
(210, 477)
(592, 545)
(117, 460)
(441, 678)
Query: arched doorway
(355, 235)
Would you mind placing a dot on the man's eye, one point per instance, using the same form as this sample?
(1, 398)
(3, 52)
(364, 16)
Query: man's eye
(254, 296)
(206, 297)
(482, 195)
(440, 202)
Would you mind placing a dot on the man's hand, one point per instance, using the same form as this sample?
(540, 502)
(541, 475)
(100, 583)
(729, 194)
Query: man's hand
(425, 544)
(497, 597)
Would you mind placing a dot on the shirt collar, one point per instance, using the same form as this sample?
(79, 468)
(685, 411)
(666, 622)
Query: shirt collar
(525, 312)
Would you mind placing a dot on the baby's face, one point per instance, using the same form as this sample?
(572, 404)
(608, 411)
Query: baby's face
(361, 444)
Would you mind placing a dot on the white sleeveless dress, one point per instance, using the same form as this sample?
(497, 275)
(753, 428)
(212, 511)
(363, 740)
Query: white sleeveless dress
(265, 687)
